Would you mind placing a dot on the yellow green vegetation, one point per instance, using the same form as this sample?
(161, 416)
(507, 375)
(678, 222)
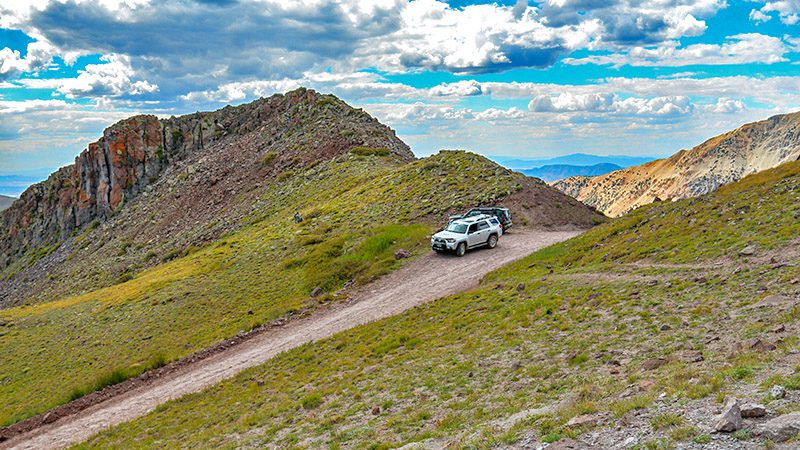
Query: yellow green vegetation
(357, 211)
(539, 332)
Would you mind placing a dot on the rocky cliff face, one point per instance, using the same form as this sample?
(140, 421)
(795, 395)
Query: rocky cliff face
(720, 160)
(299, 128)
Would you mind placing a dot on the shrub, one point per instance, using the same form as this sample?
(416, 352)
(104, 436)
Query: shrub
(311, 401)
(127, 276)
(370, 151)
(268, 158)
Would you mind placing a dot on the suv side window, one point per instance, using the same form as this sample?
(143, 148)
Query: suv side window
(482, 225)
(473, 228)
(494, 221)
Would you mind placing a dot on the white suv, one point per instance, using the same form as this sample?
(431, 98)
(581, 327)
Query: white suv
(471, 232)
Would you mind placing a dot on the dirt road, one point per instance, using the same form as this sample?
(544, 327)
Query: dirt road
(423, 280)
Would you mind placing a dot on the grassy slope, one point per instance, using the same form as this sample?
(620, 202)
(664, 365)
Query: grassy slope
(358, 210)
(459, 366)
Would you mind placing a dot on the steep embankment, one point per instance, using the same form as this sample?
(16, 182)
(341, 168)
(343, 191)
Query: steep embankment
(6, 201)
(630, 335)
(720, 160)
(209, 248)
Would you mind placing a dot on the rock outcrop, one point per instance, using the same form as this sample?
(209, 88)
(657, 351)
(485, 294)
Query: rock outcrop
(720, 160)
(134, 152)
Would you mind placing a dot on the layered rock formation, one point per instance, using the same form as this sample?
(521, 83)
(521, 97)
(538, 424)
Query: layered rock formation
(720, 160)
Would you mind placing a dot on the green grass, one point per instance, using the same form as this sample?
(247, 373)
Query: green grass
(357, 212)
(452, 368)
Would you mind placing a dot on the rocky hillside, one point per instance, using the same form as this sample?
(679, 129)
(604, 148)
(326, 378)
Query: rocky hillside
(6, 201)
(720, 160)
(292, 130)
(208, 247)
(169, 184)
(674, 326)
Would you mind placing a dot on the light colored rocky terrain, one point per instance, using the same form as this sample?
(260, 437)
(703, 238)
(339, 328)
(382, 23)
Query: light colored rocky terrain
(720, 160)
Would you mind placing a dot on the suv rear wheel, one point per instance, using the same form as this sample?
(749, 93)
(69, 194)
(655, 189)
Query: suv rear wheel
(461, 249)
(492, 242)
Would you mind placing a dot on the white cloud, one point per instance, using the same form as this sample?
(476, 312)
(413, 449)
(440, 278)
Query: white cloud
(608, 103)
(500, 114)
(566, 102)
(460, 88)
(8, 107)
(726, 105)
(113, 78)
(745, 48)
(788, 11)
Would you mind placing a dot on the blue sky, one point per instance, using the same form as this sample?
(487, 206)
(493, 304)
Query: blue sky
(526, 79)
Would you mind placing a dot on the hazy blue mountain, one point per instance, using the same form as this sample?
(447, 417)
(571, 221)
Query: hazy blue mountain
(15, 184)
(6, 201)
(574, 159)
(555, 172)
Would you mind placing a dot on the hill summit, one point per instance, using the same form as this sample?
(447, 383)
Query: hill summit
(296, 129)
(720, 160)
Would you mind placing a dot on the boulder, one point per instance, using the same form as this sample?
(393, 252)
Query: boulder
(691, 356)
(653, 363)
(761, 346)
(316, 292)
(731, 418)
(584, 420)
(401, 254)
(748, 250)
(782, 428)
(570, 444)
(752, 410)
(777, 391)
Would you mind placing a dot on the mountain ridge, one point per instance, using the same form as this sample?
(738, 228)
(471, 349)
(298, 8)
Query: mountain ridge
(573, 159)
(134, 152)
(719, 160)
(554, 172)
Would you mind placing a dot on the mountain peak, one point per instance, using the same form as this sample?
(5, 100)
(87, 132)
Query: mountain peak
(292, 130)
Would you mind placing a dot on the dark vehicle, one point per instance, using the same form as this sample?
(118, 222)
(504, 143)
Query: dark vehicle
(503, 214)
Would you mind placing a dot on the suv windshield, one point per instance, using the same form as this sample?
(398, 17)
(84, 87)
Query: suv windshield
(457, 228)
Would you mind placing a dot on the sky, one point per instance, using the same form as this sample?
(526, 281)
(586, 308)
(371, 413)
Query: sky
(515, 78)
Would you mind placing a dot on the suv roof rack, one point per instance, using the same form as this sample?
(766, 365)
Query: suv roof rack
(476, 218)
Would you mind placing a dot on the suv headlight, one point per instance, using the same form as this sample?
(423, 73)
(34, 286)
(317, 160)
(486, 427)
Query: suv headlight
(450, 240)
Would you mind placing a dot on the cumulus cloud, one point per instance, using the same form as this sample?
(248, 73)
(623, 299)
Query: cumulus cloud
(612, 104)
(188, 42)
(726, 105)
(113, 77)
(788, 11)
(38, 55)
(566, 101)
(746, 48)
(460, 88)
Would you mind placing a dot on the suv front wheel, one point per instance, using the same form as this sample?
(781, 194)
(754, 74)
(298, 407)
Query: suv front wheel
(461, 249)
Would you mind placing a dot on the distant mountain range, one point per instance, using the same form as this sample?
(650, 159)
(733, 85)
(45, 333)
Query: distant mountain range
(723, 159)
(555, 172)
(574, 159)
(6, 201)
